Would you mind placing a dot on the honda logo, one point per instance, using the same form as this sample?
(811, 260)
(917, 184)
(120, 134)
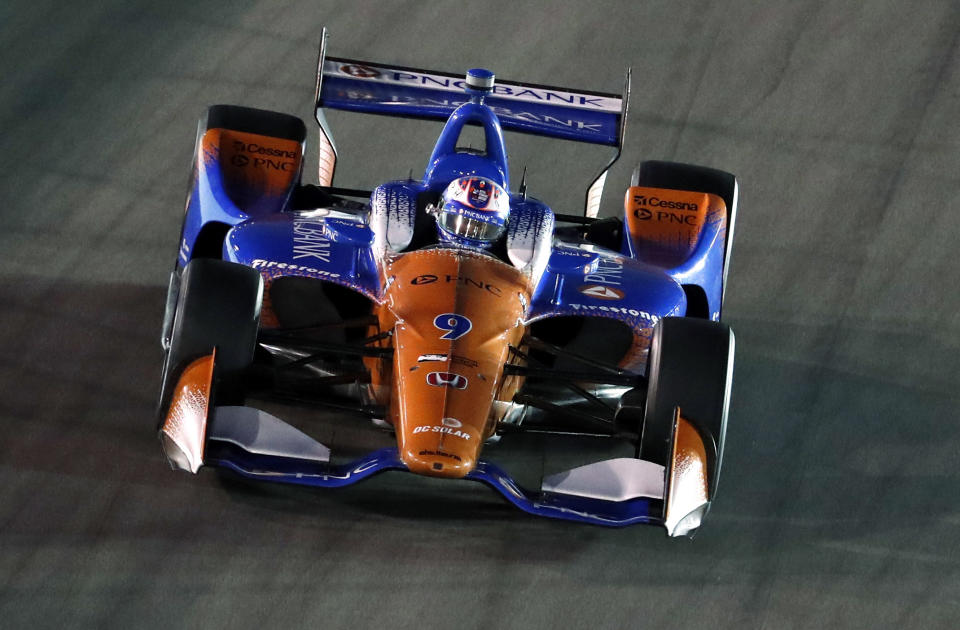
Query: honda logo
(447, 379)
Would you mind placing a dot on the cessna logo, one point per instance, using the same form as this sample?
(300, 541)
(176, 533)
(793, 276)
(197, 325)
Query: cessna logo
(253, 147)
(429, 278)
(447, 379)
(361, 72)
(601, 292)
(656, 202)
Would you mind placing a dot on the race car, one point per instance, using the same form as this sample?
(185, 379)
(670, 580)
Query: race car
(452, 309)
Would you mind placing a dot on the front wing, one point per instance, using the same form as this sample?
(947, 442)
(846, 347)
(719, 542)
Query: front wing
(614, 493)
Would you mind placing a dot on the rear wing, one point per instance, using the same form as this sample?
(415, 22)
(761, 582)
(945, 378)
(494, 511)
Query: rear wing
(556, 112)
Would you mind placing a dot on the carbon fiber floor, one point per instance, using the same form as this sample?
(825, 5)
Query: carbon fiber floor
(837, 503)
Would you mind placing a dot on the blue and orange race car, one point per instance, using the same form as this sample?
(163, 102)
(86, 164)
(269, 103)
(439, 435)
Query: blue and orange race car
(454, 309)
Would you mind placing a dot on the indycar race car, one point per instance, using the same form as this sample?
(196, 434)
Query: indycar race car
(452, 309)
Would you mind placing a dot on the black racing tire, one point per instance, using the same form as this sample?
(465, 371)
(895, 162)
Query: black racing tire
(691, 367)
(218, 306)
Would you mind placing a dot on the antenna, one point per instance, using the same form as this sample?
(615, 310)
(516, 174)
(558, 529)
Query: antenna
(523, 183)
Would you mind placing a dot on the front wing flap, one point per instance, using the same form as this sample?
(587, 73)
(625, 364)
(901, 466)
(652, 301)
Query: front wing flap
(256, 445)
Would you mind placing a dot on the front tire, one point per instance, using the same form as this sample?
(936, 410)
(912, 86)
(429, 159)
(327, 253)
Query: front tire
(218, 306)
(691, 367)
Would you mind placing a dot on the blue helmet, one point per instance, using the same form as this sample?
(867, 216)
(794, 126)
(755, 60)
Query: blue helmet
(474, 211)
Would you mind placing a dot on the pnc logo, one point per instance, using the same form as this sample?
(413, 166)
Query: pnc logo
(359, 71)
(601, 292)
(643, 214)
(447, 379)
(429, 278)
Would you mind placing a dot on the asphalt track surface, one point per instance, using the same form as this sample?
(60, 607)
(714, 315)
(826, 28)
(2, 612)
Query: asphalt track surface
(838, 501)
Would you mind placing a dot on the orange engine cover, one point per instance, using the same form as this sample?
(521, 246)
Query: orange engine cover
(454, 313)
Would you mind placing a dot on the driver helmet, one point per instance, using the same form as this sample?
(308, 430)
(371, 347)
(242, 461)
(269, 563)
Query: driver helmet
(474, 211)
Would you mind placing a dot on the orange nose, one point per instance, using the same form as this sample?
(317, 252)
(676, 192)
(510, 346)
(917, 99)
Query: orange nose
(437, 462)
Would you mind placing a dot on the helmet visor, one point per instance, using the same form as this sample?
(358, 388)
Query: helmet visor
(467, 227)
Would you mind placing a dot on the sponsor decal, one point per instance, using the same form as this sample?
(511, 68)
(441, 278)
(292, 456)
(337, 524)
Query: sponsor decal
(616, 309)
(463, 435)
(359, 71)
(451, 422)
(479, 195)
(309, 240)
(663, 216)
(252, 147)
(455, 358)
(601, 292)
(429, 278)
(664, 213)
(656, 202)
(457, 84)
(607, 271)
(455, 325)
(440, 454)
(447, 379)
(260, 263)
(264, 157)
(459, 360)
(461, 209)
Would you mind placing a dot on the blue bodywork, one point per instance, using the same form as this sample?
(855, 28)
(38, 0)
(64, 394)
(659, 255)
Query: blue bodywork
(579, 279)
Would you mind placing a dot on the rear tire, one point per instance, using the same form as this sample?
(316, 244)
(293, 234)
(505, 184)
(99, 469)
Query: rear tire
(218, 307)
(691, 364)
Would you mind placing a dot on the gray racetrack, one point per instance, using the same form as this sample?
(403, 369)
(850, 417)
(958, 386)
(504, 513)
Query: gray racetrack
(838, 502)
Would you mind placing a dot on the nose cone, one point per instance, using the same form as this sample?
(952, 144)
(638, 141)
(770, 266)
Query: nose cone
(445, 416)
(456, 314)
(437, 459)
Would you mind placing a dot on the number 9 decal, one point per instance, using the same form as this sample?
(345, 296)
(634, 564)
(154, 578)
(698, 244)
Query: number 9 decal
(455, 325)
